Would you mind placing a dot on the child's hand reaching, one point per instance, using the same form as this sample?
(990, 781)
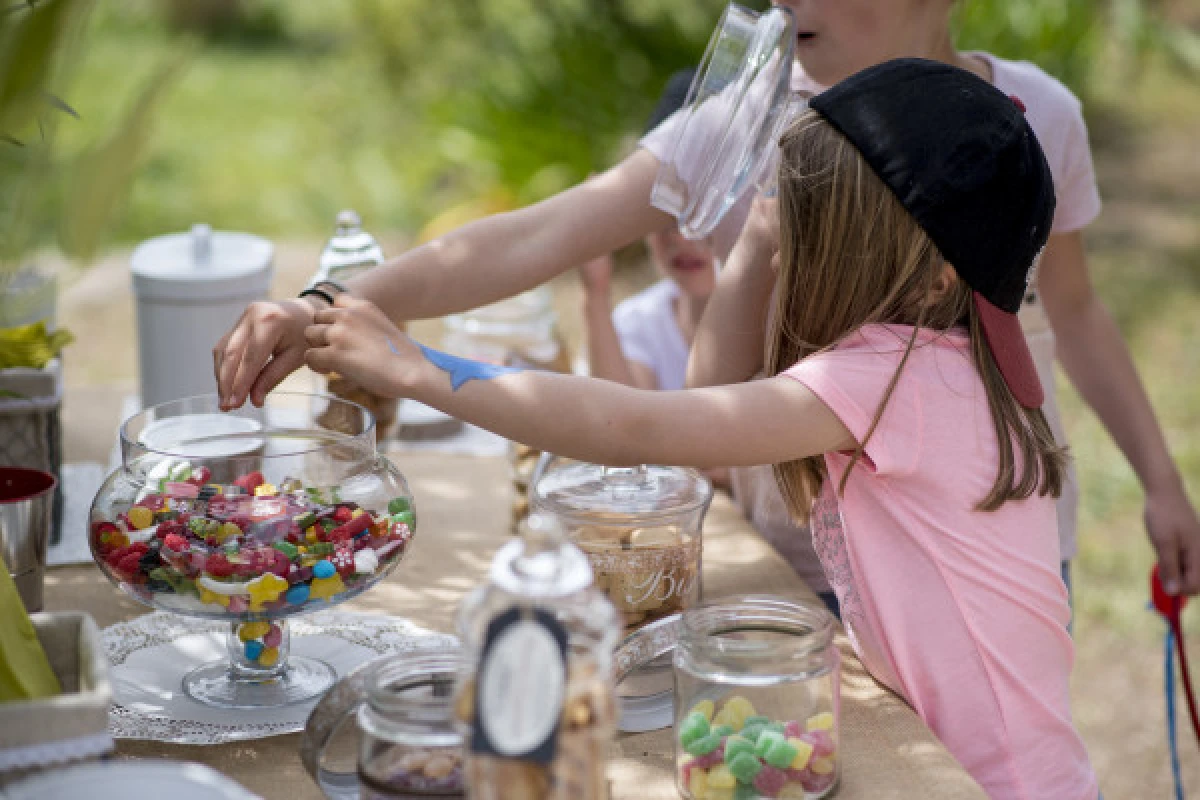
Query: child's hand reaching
(357, 340)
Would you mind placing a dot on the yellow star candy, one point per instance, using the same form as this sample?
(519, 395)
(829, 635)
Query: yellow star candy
(266, 589)
(265, 490)
(324, 588)
(212, 597)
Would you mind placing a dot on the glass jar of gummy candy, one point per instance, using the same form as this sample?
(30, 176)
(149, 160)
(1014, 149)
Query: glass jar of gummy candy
(251, 516)
(535, 696)
(757, 704)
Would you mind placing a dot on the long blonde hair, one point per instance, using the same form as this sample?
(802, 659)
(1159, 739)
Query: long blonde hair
(851, 255)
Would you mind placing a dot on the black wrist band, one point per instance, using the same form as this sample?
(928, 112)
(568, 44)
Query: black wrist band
(312, 291)
(334, 284)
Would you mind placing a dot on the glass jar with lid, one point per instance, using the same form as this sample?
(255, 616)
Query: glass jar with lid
(535, 695)
(640, 528)
(757, 700)
(519, 331)
(349, 252)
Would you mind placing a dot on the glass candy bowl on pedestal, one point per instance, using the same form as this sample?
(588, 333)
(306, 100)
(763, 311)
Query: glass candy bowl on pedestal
(251, 516)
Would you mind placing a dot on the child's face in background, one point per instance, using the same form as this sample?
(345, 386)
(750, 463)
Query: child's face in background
(837, 38)
(689, 263)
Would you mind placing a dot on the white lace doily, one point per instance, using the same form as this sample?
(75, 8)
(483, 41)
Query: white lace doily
(151, 654)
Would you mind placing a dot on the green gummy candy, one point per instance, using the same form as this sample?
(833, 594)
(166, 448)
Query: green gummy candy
(723, 730)
(305, 520)
(745, 767)
(781, 755)
(407, 517)
(765, 741)
(693, 727)
(775, 726)
(757, 721)
(752, 732)
(735, 746)
(704, 745)
(287, 548)
(399, 505)
(744, 792)
(321, 548)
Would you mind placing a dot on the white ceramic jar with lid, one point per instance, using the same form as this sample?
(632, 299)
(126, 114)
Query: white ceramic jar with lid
(190, 289)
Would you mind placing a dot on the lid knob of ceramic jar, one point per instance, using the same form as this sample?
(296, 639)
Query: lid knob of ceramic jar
(201, 244)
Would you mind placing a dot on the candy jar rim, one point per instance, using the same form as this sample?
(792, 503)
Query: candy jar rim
(704, 628)
(133, 448)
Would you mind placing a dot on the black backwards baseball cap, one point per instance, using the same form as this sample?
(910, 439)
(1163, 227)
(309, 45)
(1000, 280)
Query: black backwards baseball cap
(963, 160)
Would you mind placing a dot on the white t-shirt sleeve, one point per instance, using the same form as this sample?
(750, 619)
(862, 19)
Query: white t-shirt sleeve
(1075, 182)
(1056, 116)
(649, 335)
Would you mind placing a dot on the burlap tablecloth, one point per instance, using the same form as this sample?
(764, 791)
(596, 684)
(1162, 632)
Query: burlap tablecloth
(888, 752)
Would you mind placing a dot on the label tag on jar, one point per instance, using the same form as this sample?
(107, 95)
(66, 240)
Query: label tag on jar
(520, 686)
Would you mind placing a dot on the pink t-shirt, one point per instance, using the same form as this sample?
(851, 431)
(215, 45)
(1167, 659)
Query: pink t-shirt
(961, 612)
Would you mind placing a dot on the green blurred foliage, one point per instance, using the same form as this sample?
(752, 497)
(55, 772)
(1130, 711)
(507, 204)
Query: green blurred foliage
(1060, 36)
(405, 108)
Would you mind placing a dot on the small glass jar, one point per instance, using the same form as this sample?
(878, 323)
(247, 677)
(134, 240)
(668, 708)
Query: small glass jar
(757, 700)
(409, 743)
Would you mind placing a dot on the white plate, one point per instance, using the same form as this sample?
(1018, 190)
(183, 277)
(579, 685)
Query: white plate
(123, 780)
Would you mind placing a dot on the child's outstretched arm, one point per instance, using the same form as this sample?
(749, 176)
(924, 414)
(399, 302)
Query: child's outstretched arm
(729, 340)
(479, 263)
(606, 359)
(1098, 362)
(594, 420)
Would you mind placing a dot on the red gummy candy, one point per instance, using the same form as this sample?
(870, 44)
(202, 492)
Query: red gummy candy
(710, 760)
(822, 742)
(250, 481)
(343, 514)
(175, 542)
(815, 783)
(129, 563)
(350, 528)
(343, 560)
(793, 729)
(218, 566)
(770, 781)
(200, 476)
(103, 527)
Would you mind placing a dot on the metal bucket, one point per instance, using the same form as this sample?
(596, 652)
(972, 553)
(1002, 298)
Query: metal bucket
(26, 512)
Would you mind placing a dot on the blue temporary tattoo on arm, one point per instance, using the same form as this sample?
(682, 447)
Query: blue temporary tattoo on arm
(460, 370)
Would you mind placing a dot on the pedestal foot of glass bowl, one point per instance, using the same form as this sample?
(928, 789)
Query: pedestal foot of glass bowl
(259, 672)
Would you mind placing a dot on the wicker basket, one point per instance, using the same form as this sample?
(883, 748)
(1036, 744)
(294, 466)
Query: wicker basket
(69, 727)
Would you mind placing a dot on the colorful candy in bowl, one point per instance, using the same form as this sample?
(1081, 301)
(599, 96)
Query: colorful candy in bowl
(251, 516)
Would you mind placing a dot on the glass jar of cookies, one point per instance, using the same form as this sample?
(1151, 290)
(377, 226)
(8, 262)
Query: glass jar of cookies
(535, 697)
(640, 529)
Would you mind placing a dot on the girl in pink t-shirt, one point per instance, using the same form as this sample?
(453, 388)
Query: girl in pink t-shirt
(902, 407)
